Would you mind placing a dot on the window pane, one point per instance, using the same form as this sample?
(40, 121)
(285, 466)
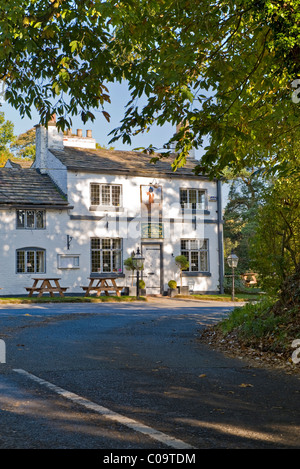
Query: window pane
(194, 261)
(203, 244)
(30, 261)
(106, 243)
(203, 261)
(183, 196)
(39, 219)
(116, 244)
(193, 197)
(96, 261)
(20, 261)
(185, 253)
(194, 244)
(30, 219)
(95, 243)
(105, 195)
(20, 218)
(116, 261)
(106, 261)
(201, 199)
(184, 244)
(95, 194)
(116, 192)
(40, 261)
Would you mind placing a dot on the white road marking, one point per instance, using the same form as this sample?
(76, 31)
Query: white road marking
(109, 414)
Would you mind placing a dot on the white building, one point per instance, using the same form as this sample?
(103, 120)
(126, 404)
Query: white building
(80, 212)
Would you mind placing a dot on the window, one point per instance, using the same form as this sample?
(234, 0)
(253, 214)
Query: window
(31, 219)
(68, 261)
(31, 261)
(194, 199)
(106, 255)
(108, 195)
(196, 251)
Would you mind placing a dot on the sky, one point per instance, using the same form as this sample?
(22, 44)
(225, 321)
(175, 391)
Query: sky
(119, 96)
(100, 127)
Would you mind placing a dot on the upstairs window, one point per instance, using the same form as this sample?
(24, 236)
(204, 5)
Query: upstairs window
(31, 219)
(193, 199)
(106, 195)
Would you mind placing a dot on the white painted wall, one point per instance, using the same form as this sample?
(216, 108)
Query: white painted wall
(59, 225)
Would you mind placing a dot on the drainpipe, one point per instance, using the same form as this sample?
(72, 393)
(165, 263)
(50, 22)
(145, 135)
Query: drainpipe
(220, 236)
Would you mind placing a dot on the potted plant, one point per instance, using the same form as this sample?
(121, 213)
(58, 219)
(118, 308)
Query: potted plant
(172, 291)
(131, 291)
(142, 286)
(183, 264)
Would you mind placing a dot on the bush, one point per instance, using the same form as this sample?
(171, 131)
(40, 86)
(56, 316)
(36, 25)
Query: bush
(142, 284)
(239, 286)
(172, 284)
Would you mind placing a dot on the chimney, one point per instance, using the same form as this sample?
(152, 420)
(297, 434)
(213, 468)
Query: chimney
(55, 136)
(44, 139)
(41, 148)
(78, 141)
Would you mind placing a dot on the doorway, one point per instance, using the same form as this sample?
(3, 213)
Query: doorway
(152, 273)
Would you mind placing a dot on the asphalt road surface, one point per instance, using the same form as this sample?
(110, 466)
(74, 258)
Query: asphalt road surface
(133, 377)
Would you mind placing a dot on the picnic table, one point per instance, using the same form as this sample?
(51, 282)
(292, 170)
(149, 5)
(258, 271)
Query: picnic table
(102, 284)
(46, 287)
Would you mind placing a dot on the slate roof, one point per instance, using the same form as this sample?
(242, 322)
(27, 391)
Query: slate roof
(121, 162)
(27, 187)
(18, 164)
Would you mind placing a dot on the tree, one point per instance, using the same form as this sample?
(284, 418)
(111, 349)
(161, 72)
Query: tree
(6, 138)
(228, 70)
(275, 248)
(245, 196)
(129, 265)
(183, 264)
(24, 145)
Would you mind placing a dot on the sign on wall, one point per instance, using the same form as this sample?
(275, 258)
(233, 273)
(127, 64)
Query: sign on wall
(151, 194)
(152, 230)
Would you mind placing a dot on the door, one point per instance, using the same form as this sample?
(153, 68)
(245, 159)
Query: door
(152, 268)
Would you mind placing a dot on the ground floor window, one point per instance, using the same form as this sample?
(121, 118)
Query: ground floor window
(31, 260)
(106, 255)
(196, 252)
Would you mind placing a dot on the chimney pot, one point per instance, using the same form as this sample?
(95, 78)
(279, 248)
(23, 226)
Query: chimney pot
(79, 132)
(89, 133)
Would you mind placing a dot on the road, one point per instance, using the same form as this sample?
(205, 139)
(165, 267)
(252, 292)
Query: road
(135, 376)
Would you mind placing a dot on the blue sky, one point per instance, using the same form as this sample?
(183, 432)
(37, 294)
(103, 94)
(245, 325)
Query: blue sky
(100, 127)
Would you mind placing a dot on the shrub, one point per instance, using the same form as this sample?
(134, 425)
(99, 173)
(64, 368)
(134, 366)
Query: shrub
(172, 284)
(142, 284)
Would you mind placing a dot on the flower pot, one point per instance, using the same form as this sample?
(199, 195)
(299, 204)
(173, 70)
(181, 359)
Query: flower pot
(172, 292)
(184, 290)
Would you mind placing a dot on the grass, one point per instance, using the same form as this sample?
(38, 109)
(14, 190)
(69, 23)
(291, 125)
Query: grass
(69, 299)
(258, 324)
(225, 297)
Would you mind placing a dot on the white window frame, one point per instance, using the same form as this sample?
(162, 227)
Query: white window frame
(189, 205)
(27, 265)
(26, 218)
(100, 187)
(101, 250)
(196, 246)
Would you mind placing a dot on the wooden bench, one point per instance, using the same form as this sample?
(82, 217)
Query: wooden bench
(101, 285)
(46, 287)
